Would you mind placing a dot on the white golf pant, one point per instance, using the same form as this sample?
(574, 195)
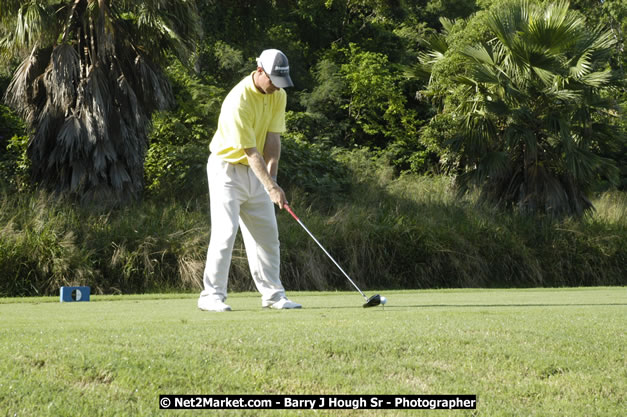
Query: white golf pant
(239, 200)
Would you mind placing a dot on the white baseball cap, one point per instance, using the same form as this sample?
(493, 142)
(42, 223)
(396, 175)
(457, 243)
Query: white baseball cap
(275, 64)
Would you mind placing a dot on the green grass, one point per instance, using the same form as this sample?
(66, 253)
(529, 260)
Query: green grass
(542, 352)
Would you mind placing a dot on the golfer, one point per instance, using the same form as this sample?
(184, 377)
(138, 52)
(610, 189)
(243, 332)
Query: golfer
(242, 171)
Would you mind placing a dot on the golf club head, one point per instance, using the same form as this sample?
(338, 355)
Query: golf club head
(373, 301)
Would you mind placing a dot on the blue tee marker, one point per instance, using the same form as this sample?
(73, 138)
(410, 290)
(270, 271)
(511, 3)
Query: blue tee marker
(71, 294)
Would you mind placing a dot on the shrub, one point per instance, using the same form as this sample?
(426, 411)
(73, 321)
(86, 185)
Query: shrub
(311, 167)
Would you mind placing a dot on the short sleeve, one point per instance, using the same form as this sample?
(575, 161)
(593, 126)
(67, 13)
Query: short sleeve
(239, 129)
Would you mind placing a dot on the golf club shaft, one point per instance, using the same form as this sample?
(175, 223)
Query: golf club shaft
(289, 209)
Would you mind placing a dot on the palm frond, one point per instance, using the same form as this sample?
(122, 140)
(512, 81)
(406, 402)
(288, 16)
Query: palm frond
(494, 164)
(127, 99)
(29, 23)
(602, 39)
(519, 132)
(97, 103)
(35, 24)
(72, 140)
(62, 76)
(120, 177)
(436, 44)
(17, 94)
(436, 47)
(480, 54)
(486, 74)
(564, 95)
(593, 46)
(26, 91)
(596, 79)
(104, 23)
(582, 66)
(157, 93)
(447, 24)
(554, 26)
(479, 130)
(429, 58)
(543, 192)
(505, 23)
(547, 77)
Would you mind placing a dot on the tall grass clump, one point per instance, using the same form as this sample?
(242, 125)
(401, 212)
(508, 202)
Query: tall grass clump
(152, 246)
(40, 249)
(47, 243)
(385, 231)
(610, 208)
(413, 232)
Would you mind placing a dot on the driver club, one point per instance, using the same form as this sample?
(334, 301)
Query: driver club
(373, 301)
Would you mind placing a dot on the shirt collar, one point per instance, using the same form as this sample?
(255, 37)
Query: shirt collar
(251, 85)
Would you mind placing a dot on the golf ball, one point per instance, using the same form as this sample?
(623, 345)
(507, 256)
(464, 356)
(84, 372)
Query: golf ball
(384, 300)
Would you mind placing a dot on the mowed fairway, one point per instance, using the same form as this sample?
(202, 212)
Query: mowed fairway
(542, 352)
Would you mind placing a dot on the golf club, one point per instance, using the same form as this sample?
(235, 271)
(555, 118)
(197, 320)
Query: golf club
(373, 301)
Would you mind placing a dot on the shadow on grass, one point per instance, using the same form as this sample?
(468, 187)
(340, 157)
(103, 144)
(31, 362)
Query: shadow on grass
(398, 308)
(508, 305)
(425, 306)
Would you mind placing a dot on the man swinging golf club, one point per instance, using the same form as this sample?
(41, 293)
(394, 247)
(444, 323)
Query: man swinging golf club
(242, 171)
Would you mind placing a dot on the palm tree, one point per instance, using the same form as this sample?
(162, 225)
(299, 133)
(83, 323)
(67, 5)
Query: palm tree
(534, 109)
(89, 83)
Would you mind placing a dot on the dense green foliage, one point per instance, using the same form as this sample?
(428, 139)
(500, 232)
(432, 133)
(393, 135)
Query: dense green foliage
(532, 107)
(14, 163)
(351, 61)
(354, 65)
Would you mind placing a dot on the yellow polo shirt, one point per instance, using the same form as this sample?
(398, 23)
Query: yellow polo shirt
(246, 117)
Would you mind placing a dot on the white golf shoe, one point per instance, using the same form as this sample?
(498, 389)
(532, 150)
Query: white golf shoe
(211, 304)
(283, 304)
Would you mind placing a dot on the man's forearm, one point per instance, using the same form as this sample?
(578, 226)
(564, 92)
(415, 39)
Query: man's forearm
(259, 167)
(272, 153)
